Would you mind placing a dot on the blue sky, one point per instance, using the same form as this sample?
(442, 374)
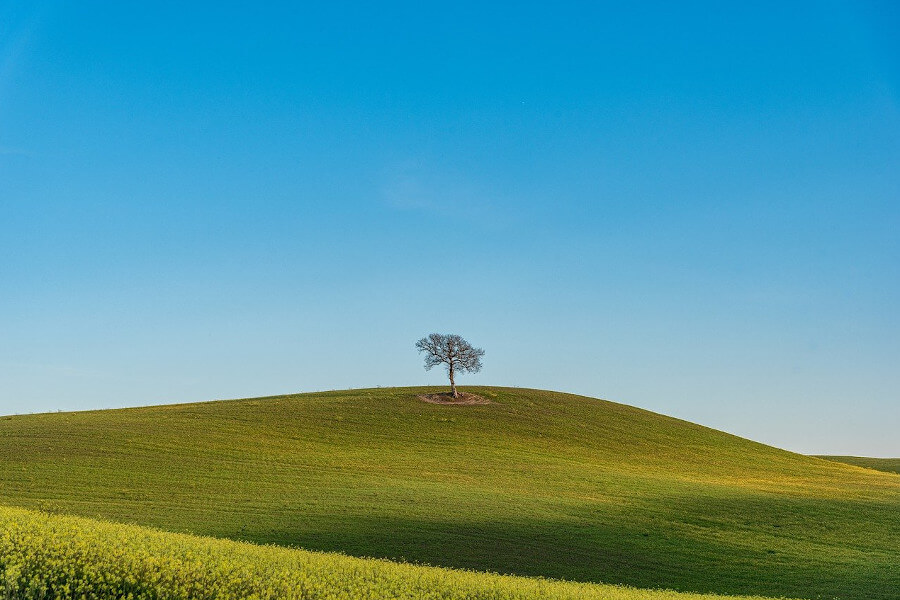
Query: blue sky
(693, 208)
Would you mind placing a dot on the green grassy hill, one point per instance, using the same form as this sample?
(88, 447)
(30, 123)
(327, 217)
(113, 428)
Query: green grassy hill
(888, 465)
(536, 483)
(72, 558)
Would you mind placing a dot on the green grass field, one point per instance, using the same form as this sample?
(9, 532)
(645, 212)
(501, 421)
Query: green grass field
(537, 483)
(888, 465)
(46, 556)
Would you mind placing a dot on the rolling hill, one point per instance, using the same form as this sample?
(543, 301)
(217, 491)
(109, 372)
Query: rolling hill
(888, 465)
(535, 483)
(72, 558)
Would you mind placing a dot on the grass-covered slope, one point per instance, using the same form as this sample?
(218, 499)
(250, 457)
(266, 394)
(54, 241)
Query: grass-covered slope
(536, 483)
(888, 465)
(44, 556)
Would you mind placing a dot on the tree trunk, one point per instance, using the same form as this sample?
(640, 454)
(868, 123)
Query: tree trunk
(453, 384)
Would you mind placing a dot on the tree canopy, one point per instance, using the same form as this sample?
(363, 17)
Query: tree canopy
(452, 351)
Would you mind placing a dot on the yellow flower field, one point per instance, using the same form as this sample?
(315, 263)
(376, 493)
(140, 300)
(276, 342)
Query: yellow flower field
(45, 556)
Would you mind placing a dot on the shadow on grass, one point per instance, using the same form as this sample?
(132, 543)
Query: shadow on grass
(776, 550)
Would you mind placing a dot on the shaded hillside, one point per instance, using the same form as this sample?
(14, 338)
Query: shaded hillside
(536, 483)
(55, 556)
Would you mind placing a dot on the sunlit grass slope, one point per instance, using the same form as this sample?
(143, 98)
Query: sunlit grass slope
(888, 465)
(537, 483)
(44, 556)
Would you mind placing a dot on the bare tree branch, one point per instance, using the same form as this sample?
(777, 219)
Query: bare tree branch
(451, 350)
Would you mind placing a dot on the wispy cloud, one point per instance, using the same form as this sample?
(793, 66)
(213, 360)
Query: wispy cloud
(11, 52)
(19, 33)
(9, 151)
(412, 186)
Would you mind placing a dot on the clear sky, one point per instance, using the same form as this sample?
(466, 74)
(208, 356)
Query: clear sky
(689, 207)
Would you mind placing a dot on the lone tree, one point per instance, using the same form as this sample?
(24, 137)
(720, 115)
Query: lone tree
(452, 351)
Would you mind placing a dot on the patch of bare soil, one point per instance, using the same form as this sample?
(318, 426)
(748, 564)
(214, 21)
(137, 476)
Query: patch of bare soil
(465, 398)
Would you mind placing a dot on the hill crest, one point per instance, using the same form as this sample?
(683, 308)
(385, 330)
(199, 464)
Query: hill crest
(535, 483)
